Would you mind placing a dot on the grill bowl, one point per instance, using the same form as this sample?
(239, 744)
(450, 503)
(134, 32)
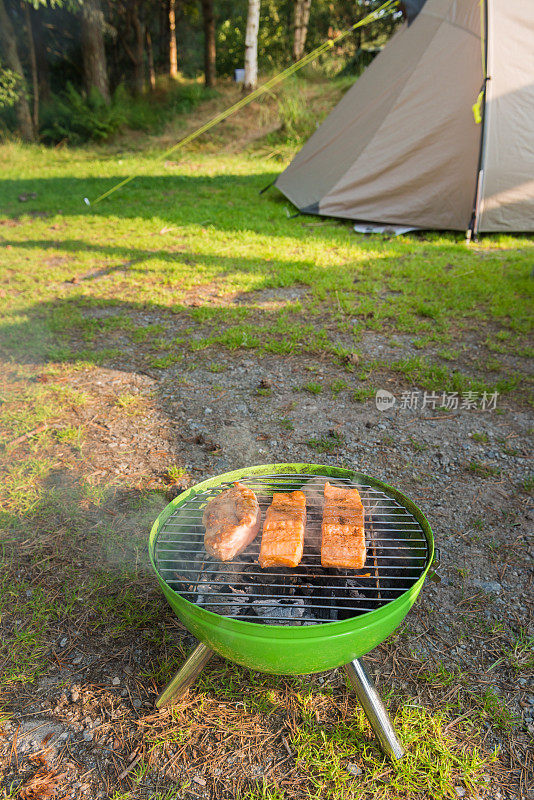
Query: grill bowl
(292, 649)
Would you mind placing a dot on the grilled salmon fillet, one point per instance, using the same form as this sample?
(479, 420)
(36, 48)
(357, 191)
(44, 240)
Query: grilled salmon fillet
(232, 521)
(282, 541)
(313, 489)
(343, 541)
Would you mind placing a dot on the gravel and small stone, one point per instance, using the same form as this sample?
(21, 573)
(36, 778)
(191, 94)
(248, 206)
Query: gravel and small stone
(466, 469)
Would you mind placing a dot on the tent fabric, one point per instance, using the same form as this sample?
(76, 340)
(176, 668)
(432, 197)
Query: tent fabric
(423, 179)
(507, 202)
(334, 146)
(403, 147)
(412, 8)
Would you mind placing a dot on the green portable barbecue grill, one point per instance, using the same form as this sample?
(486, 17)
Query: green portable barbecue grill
(301, 620)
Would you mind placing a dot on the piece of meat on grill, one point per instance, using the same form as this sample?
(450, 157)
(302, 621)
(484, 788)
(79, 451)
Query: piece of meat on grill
(282, 541)
(343, 543)
(232, 521)
(313, 489)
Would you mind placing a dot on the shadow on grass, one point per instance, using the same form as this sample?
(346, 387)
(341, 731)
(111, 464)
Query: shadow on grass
(222, 201)
(228, 202)
(225, 202)
(127, 336)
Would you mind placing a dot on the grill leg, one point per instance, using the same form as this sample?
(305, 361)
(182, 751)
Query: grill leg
(183, 679)
(374, 709)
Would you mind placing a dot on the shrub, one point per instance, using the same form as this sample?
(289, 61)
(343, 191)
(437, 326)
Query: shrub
(298, 121)
(76, 117)
(10, 86)
(186, 98)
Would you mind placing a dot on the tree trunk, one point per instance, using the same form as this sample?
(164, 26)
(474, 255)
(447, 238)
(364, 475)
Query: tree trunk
(39, 41)
(93, 51)
(251, 45)
(8, 46)
(302, 17)
(209, 42)
(33, 62)
(139, 52)
(163, 33)
(150, 56)
(173, 50)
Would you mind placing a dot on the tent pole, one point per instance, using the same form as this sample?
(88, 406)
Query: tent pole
(472, 230)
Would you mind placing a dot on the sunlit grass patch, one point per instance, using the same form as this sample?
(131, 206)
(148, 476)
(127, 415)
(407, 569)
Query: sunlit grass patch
(131, 404)
(174, 473)
(131, 261)
(72, 435)
(410, 284)
(435, 377)
(437, 758)
(267, 791)
(27, 613)
(31, 399)
(21, 485)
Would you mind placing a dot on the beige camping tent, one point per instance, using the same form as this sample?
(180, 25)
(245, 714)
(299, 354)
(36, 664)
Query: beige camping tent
(403, 147)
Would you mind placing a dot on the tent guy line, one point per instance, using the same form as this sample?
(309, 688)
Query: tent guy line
(389, 5)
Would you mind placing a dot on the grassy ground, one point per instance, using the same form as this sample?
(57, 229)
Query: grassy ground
(195, 236)
(190, 266)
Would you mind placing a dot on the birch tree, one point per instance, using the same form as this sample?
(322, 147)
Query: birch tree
(251, 45)
(302, 17)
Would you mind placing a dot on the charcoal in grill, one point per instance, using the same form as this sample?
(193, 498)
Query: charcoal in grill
(307, 594)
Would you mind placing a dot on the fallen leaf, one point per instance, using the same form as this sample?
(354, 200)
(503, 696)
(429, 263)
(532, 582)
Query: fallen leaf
(42, 786)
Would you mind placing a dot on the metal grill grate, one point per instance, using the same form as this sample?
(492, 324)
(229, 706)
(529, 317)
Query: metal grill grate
(397, 553)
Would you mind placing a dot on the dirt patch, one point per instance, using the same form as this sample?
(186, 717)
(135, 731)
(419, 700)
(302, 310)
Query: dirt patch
(106, 662)
(265, 299)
